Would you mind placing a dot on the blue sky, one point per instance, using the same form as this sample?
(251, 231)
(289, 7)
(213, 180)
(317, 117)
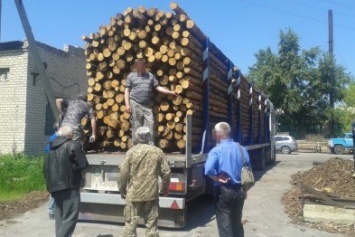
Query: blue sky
(238, 27)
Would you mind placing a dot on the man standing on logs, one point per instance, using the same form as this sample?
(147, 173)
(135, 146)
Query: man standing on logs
(139, 86)
(75, 112)
(224, 166)
(139, 183)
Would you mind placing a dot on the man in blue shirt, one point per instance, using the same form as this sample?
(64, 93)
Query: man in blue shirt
(224, 166)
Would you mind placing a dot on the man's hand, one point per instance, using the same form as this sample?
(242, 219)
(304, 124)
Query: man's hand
(174, 93)
(92, 139)
(165, 192)
(221, 178)
(128, 109)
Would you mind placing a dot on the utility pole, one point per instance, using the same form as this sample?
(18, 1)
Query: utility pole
(331, 79)
(331, 53)
(37, 57)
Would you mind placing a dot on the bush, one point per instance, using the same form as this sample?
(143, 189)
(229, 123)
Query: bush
(315, 138)
(20, 175)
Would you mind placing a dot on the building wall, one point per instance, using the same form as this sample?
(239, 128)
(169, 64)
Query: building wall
(13, 100)
(66, 70)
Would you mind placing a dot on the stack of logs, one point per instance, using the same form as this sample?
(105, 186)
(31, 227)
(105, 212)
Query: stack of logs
(173, 47)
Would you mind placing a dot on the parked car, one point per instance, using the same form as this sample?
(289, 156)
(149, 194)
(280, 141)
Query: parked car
(341, 144)
(286, 144)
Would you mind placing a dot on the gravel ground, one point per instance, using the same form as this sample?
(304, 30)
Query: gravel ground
(264, 214)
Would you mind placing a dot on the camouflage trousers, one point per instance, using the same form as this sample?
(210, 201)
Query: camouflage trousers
(148, 211)
(141, 115)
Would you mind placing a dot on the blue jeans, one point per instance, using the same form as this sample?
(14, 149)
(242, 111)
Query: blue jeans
(51, 205)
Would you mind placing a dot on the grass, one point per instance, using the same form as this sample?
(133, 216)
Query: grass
(315, 138)
(20, 175)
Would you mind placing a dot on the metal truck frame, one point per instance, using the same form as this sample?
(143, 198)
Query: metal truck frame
(100, 198)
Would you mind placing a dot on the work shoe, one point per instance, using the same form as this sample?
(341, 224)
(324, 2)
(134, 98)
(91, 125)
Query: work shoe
(51, 216)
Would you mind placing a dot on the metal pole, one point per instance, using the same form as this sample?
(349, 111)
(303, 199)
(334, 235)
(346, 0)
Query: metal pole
(331, 79)
(330, 29)
(37, 57)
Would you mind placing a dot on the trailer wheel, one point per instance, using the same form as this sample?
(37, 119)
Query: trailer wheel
(261, 161)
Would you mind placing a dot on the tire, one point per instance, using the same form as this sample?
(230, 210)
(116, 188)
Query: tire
(286, 150)
(339, 149)
(260, 161)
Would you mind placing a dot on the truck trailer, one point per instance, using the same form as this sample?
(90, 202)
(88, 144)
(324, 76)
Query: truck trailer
(176, 49)
(100, 198)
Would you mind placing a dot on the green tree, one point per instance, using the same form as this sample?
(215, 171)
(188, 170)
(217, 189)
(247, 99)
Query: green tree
(298, 82)
(344, 113)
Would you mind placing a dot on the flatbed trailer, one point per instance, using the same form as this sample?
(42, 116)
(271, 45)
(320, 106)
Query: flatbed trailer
(101, 201)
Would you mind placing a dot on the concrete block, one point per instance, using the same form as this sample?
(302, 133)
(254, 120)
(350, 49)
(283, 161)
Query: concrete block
(324, 213)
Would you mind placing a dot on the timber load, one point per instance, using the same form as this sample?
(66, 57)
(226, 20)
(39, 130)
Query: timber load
(173, 47)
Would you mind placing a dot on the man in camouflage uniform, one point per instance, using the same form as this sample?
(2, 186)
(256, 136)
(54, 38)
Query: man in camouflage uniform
(139, 88)
(139, 184)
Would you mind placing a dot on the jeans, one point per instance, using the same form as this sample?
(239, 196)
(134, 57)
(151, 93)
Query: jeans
(51, 205)
(229, 202)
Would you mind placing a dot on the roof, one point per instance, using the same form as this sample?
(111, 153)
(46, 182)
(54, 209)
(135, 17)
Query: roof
(20, 45)
(11, 45)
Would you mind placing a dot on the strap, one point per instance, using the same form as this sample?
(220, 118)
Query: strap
(137, 167)
(242, 153)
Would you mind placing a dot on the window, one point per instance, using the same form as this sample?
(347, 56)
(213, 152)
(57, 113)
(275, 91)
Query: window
(278, 139)
(286, 138)
(4, 73)
(348, 136)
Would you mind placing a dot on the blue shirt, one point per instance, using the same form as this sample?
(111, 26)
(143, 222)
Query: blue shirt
(52, 138)
(226, 158)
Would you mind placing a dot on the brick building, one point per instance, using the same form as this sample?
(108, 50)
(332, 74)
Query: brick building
(26, 120)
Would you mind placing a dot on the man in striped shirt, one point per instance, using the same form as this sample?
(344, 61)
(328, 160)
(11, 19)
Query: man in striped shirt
(139, 88)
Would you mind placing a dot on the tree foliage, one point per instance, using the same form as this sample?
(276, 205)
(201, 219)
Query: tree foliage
(298, 82)
(345, 112)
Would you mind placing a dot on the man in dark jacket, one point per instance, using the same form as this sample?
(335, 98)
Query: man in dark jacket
(62, 170)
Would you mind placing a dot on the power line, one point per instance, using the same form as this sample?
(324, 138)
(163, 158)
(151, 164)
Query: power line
(306, 5)
(341, 57)
(340, 4)
(285, 12)
(320, 9)
(296, 15)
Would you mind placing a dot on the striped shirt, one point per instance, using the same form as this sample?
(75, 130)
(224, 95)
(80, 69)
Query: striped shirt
(141, 86)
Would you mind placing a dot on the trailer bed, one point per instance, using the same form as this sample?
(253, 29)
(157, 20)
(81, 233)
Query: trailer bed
(175, 160)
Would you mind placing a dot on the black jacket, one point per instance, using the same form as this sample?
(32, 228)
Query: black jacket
(63, 164)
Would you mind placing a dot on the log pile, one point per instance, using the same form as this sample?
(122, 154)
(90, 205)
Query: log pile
(172, 46)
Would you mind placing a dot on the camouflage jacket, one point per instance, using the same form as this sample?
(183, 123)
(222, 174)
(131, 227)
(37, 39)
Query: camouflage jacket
(139, 173)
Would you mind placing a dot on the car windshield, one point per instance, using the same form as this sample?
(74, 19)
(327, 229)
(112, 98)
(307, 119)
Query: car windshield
(348, 135)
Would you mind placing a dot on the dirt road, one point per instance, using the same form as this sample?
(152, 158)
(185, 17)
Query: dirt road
(263, 212)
